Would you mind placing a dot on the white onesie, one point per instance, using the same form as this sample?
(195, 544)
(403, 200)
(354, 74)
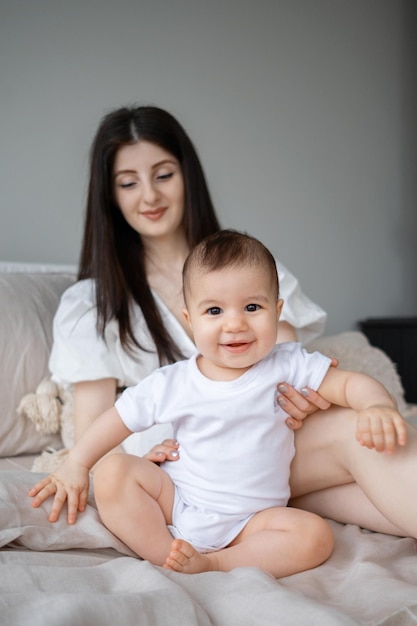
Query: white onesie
(235, 449)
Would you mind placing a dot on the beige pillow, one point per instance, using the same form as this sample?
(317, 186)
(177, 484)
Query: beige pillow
(28, 302)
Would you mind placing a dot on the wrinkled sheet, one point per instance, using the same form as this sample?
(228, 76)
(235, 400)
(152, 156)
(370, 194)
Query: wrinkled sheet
(46, 579)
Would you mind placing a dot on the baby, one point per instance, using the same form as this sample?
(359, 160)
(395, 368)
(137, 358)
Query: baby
(223, 503)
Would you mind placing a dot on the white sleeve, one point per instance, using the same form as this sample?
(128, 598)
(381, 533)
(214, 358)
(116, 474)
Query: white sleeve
(137, 407)
(298, 367)
(79, 353)
(307, 317)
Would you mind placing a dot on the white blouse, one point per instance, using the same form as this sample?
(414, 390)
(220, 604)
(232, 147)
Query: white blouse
(79, 353)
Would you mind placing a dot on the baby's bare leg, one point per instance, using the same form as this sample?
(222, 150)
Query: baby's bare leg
(281, 541)
(135, 498)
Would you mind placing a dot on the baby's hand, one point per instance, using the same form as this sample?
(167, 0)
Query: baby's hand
(69, 483)
(381, 427)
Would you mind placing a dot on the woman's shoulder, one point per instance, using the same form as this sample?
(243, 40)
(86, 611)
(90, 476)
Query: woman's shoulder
(77, 299)
(82, 290)
(77, 311)
(79, 352)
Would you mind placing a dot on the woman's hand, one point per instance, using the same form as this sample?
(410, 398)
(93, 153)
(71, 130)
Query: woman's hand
(165, 451)
(68, 484)
(300, 405)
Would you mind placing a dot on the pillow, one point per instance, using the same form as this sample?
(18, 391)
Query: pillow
(28, 302)
(354, 352)
(23, 525)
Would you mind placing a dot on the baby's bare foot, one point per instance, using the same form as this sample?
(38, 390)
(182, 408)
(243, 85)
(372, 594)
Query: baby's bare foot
(186, 559)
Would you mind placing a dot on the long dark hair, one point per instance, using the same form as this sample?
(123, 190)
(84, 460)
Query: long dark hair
(112, 251)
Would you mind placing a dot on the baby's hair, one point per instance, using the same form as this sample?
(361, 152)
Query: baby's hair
(228, 248)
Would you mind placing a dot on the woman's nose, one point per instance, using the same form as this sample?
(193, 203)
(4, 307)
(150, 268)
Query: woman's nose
(150, 192)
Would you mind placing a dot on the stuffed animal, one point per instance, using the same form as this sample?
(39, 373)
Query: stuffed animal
(50, 408)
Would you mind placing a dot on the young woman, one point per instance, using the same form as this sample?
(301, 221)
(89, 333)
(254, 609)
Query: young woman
(148, 205)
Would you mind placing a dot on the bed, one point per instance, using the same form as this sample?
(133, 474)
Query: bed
(53, 574)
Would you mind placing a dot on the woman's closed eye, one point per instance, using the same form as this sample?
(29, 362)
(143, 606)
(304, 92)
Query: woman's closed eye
(166, 176)
(129, 184)
(126, 185)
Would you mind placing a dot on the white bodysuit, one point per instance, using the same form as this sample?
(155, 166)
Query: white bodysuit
(80, 354)
(235, 448)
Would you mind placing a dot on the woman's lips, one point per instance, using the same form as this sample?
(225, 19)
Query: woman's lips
(154, 215)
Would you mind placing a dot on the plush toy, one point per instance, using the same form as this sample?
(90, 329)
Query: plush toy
(50, 408)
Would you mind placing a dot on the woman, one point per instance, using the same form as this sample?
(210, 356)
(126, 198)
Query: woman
(148, 205)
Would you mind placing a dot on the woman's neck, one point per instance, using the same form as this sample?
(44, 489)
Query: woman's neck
(167, 254)
(164, 261)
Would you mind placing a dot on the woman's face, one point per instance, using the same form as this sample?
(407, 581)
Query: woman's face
(149, 189)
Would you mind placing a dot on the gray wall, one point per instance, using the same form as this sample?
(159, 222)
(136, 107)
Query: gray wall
(302, 111)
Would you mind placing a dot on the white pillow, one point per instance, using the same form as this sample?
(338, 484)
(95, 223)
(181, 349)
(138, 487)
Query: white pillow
(28, 302)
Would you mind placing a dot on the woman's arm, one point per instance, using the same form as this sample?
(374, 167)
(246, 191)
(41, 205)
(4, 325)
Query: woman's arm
(91, 399)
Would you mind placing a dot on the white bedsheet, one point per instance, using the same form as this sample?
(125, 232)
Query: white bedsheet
(369, 579)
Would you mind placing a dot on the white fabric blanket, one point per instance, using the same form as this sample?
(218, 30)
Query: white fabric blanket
(55, 574)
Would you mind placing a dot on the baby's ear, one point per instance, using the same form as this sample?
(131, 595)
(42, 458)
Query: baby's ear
(186, 315)
(280, 304)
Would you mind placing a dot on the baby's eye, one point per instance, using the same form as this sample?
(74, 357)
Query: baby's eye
(252, 307)
(214, 310)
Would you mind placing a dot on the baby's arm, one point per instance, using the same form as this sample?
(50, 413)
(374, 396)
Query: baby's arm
(71, 481)
(379, 423)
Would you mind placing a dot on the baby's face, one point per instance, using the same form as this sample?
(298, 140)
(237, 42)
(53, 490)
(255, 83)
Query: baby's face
(234, 317)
